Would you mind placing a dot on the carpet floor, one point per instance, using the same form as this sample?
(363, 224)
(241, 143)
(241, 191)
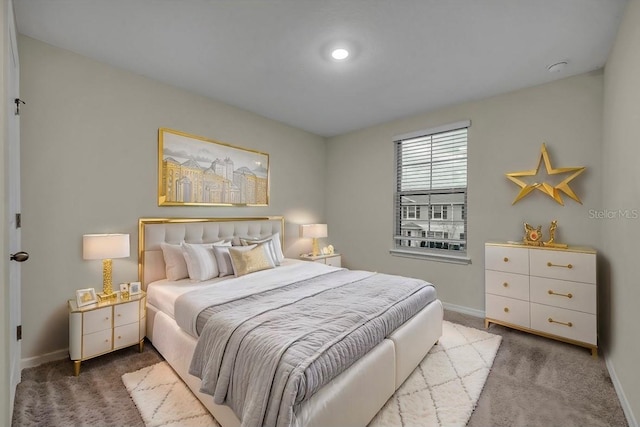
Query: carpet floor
(533, 382)
(442, 391)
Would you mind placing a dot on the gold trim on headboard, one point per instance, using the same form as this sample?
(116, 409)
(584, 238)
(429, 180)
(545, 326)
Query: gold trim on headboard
(144, 221)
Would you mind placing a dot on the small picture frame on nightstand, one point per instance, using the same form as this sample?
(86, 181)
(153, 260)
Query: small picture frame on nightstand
(86, 297)
(134, 288)
(124, 291)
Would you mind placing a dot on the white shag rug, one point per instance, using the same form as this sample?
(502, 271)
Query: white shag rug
(163, 400)
(442, 391)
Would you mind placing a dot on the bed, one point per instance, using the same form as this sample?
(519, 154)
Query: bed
(352, 398)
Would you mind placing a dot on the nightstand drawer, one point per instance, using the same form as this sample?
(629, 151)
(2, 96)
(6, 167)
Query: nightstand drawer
(564, 323)
(510, 285)
(508, 310)
(96, 343)
(564, 294)
(574, 266)
(126, 313)
(334, 261)
(124, 336)
(511, 260)
(96, 320)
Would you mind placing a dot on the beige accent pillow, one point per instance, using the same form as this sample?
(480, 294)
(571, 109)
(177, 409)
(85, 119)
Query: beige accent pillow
(249, 259)
(276, 248)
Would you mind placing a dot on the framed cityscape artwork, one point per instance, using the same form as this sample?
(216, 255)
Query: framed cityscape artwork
(196, 171)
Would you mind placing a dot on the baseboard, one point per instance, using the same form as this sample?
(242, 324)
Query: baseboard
(464, 310)
(624, 402)
(30, 362)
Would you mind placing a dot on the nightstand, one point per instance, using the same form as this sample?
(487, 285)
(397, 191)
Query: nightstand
(106, 326)
(334, 260)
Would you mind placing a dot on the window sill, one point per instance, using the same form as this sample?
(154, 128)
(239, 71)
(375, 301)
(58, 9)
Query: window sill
(431, 256)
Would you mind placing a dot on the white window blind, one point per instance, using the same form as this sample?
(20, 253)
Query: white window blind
(431, 190)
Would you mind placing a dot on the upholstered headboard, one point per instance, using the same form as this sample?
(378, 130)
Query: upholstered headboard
(153, 231)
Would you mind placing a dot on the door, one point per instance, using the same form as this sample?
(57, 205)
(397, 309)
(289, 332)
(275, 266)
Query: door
(13, 194)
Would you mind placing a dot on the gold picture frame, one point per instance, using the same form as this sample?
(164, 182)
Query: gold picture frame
(86, 297)
(196, 171)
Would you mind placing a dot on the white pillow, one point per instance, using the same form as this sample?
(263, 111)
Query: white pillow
(200, 260)
(175, 264)
(277, 254)
(225, 268)
(249, 259)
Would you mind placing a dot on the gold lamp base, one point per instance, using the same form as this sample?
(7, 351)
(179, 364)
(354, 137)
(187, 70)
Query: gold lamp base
(107, 297)
(315, 249)
(107, 283)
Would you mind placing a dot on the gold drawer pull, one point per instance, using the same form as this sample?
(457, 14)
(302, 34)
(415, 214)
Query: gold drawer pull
(569, 266)
(505, 284)
(506, 309)
(569, 324)
(569, 295)
(506, 259)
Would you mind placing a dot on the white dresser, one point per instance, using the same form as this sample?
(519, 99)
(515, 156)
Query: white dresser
(106, 326)
(546, 291)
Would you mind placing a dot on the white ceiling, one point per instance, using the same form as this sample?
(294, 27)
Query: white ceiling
(271, 56)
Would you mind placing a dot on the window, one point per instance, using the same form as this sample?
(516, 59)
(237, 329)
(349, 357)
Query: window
(439, 212)
(431, 177)
(411, 212)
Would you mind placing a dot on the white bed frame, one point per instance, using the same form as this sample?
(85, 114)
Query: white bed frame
(351, 399)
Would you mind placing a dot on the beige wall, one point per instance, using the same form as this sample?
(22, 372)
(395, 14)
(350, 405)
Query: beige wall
(506, 134)
(621, 190)
(89, 165)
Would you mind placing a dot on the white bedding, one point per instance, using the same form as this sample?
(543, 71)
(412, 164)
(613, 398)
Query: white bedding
(352, 398)
(163, 293)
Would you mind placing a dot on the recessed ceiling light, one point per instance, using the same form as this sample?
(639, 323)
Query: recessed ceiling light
(557, 67)
(339, 54)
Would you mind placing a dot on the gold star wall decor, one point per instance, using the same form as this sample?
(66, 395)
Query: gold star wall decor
(548, 189)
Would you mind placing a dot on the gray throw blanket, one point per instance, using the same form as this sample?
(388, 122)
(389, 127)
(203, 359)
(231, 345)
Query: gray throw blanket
(267, 352)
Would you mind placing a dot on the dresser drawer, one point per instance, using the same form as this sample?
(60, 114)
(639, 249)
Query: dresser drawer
(126, 313)
(564, 294)
(508, 310)
(511, 260)
(510, 285)
(124, 336)
(96, 320)
(565, 323)
(96, 343)
(574, 266)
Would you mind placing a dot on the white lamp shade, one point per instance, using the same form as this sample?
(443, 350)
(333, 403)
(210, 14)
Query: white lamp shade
(105, 246)
(313, 230)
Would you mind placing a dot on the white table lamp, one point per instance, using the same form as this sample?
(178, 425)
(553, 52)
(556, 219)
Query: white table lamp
(314, 231)
(105, 247)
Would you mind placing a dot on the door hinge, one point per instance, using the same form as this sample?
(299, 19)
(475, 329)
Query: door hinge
(18, 220)
(19, 332)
